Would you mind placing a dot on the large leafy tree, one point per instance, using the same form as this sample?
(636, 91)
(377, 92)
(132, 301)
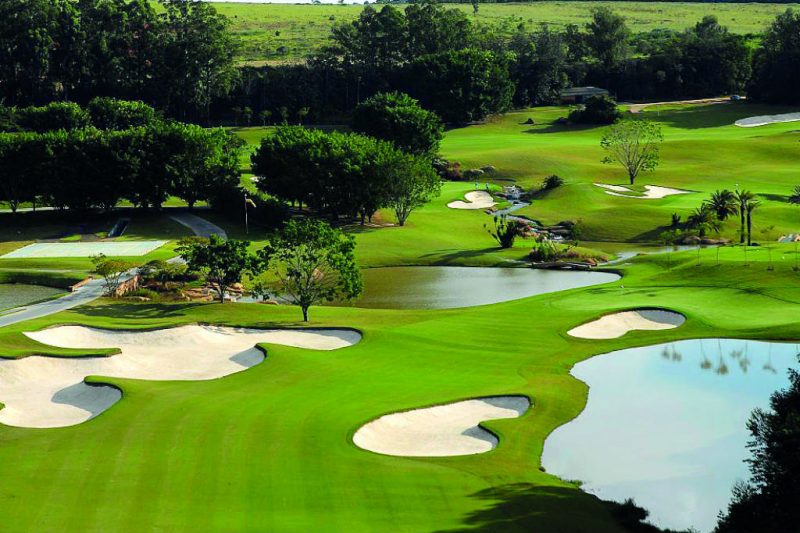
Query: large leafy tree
(221, 262)
(398, 118)
(634, 145)
(607, 37)
(460, 86)
(539, 69)
(768, 501)
(776, 65)
(197, 57)
(410, 183)
(313, 262)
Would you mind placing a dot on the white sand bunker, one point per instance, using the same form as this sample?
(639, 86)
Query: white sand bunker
(441, 430)
(475, 200)
(651, 192)
(763, 120)
(618, 324)
(46, 392)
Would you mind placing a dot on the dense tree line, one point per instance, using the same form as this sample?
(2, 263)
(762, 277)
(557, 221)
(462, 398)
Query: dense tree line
(136, 158)
(179, 59)
(464, 72)
(339, 174)
(176, 58)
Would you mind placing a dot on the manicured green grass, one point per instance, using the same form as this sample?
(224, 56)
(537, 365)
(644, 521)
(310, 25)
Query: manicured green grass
(287, 33)
(270, 449)
(702, 151)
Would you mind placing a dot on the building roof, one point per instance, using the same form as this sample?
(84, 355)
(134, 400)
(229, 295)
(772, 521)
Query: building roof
(583, 91)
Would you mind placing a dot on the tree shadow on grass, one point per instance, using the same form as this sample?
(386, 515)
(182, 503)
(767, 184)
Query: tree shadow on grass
(136, 311)
(524, 507)
(450, 258)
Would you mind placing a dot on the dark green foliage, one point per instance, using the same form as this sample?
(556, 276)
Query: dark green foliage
(398, 118)
(552, 182)
(505, 231)
(113, 114)
(53, 116)
(768, 501)
(313, 262)
(540, 66)
(596, 110)
(794, 198)
(776, 65)
(723, 204)
(462, 86)
(607, 37)
(339, 174)
(221, 262)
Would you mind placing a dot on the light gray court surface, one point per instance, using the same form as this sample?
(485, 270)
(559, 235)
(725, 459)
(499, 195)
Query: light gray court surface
(84, 249)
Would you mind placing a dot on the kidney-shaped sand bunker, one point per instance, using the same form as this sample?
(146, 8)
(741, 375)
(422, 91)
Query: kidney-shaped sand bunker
(441, 430)
(618, 324)
(46, 392)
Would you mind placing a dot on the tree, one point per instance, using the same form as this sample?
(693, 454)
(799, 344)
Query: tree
(222, 263)
(539, 67)
(264, 116)
(197, 57)
(596, 110)
(743, 197)
(776, 64)
(704, 220)
(411, 183)
(302, 113)
(634, 145)
(723, 203)
(460, 86)
(767, 502)
(607, 37)
(505, 231)
(313, 263)
(247, 115)
(112, 271)
(398, 118)
(113, 114)
(749, 207)
(794, 198)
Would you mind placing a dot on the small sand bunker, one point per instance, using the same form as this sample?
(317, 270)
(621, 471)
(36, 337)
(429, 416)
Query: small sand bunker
(475, 200)
(763, 120)
(618, 324)
(46, 392)
(441, 430)
(651, 192)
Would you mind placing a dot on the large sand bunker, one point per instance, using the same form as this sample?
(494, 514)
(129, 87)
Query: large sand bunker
(475, 200)
(441, 430)
(618, 324)
(651, 192)
(763, 120)
(46, 392)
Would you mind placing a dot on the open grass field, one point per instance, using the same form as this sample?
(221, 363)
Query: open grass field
(288, 32)
(269, 449)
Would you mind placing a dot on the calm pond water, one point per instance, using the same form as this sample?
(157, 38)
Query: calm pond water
(448, 287)
(666, 424)
(12, 295)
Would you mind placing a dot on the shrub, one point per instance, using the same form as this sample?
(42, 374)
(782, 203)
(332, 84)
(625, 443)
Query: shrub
(505, 231)
(544, 251)
(596, 110)
(552, 182)
(794, 198)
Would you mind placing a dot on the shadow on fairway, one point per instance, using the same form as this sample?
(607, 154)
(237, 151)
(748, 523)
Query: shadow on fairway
(136, 311)
(526, 507)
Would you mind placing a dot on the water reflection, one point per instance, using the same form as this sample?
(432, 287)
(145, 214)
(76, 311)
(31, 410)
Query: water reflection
(449, 287)
(666, 424)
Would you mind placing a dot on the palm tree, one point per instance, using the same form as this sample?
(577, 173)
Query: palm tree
(703, 219)
(723, 203)
(749, 207)
(742, 198)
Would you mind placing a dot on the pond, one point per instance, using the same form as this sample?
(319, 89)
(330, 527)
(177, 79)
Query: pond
(15, 295)
(449, 287)
(666, 425)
